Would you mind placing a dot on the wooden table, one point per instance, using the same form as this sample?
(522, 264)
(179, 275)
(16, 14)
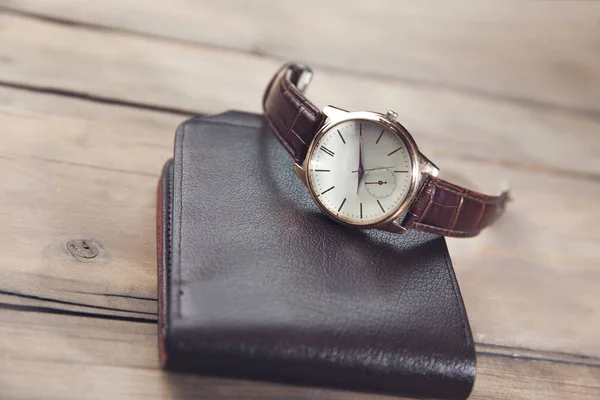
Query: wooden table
(91, 93)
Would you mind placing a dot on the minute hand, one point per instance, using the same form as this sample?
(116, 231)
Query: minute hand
(360, 170)
(374, 169)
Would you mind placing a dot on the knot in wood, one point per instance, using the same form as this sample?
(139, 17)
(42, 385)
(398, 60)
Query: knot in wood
(82, 249)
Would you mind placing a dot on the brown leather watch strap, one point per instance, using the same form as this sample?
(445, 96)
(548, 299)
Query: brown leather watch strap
(446, 209)
(293, 118)
(439, 207)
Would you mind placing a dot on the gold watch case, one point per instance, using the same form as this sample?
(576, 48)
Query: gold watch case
(420, 164)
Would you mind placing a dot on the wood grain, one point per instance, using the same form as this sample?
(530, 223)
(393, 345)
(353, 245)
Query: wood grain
(63, 187)
(541, 53)
(118, 360)
(147, 71)
(78, 170)
(491, 92)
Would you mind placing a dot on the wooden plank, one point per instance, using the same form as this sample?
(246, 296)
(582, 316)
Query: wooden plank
(77, 170)
(526, 278)
(64, 357)
(135, 69)
(48, 204)
(64, 187)
(536, 52)
(57, 129)
(83, 304)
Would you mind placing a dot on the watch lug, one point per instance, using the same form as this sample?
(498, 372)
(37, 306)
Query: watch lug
(332, 112)
(395, 227)
(426, 166)
(301, 173)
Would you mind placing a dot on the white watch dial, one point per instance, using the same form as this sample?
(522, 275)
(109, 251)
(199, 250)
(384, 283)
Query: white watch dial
(360, 171)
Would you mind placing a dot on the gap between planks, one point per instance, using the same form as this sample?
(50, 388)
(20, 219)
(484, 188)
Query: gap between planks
(125, 203)
(592, 175)
(40, 350)
(519, 100)
(446, 121)
(97, 99)
(482, 348)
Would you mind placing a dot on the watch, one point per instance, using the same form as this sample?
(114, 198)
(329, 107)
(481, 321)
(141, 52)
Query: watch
(363, 169)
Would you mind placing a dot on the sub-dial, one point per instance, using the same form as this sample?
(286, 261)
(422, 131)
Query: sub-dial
(380, 183)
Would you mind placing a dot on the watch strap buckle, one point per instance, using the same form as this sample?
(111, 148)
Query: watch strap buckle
(301, 77)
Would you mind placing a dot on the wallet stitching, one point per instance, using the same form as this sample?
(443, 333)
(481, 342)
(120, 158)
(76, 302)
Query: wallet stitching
(178, 294)
(169, 224)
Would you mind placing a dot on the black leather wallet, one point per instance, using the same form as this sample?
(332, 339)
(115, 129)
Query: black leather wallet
(255, 282)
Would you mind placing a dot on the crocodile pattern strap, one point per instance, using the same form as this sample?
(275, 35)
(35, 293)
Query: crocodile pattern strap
(440, 207)
(293, 118)
(446, 209)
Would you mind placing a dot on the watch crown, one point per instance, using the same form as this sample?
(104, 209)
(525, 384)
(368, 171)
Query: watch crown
(393, 115)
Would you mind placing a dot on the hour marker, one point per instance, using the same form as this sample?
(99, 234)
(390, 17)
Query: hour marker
(341, 137)
(380, 135)
(328, 170)
(342, 205)
(400, 171)
(360, 210)
(382, 209)
(326, 150)
(398, 149)
(326, 191)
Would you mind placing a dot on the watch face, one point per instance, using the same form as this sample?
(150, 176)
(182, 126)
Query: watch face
(360, 171)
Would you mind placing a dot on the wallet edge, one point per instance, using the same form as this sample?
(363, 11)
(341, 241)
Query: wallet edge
(163, 240)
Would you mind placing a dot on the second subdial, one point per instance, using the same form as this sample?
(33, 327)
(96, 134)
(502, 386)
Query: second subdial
(380, 183)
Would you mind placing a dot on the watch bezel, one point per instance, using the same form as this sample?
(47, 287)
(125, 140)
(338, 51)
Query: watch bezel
(336, 117)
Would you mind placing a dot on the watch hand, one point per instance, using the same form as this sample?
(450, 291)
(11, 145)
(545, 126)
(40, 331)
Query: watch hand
(373, 169)
(360, 164)
(376, 183)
